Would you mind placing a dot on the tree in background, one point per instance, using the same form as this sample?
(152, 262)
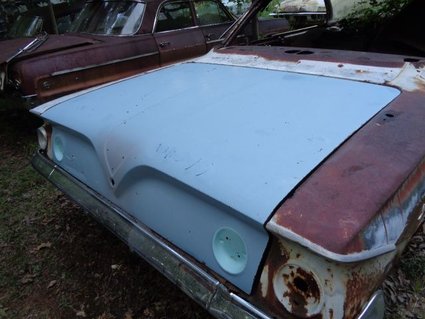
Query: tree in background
(371, 14)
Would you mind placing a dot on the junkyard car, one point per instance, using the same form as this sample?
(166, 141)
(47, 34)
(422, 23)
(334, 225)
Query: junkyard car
(301, 12)
(110, 40)
(55, 19)
(265, 181)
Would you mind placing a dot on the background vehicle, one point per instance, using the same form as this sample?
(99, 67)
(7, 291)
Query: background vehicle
(35, 21)
(110, 40)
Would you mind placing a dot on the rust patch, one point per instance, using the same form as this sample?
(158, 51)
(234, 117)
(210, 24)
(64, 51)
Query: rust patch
(317, 54)
(301, 287)
(335, 217)
(278, 257)
(359, 289)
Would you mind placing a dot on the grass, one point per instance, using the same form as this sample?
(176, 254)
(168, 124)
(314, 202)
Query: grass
(55, 262)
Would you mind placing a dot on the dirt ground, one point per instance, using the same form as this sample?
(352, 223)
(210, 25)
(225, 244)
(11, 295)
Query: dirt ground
(56, 262)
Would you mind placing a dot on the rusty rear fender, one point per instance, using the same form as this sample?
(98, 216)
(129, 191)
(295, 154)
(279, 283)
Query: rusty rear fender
(369, 192)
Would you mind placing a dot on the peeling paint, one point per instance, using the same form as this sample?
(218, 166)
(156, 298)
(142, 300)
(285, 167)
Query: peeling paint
(349, 71)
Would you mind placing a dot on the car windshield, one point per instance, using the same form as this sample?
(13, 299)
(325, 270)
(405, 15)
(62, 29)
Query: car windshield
(109, 18)
(25, 26)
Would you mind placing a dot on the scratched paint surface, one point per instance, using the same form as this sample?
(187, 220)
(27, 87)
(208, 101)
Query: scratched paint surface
(196, 147)
(243, 136)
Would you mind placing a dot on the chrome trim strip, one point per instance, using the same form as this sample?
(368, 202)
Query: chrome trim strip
(350, 258)
(174, 30)
(193, 280)
(247, 306)
(104, 64)
(39, 110)
(219, 40)
(375, 308)
(30, 96)
(303, 13)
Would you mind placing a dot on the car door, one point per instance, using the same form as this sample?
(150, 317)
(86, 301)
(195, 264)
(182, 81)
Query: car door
(176, 33)
(213, 19)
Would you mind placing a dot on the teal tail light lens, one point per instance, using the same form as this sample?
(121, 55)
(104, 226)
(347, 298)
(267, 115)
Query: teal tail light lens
(58, 148)
(230, 251)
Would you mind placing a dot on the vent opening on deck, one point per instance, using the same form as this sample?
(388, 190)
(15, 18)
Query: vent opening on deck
(411, 60)
(305, 52)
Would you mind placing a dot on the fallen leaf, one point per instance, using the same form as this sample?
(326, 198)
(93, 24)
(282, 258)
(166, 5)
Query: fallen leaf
(105, 316)
(148, 313)
(51, 284)
(81, 313)
(44, 245)
(28, 278)
(128, 314)
(115, 267)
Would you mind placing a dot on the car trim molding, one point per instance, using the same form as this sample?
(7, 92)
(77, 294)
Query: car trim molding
(349, 258)
(406, 77)
(219, 40)
(105, 64)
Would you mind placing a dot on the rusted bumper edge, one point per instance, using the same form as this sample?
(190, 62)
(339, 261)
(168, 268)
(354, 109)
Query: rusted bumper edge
(195, 282)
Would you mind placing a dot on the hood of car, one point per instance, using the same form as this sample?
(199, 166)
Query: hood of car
(241, 135)
(53, 43)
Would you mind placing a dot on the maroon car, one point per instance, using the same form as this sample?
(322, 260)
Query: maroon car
(110, 40)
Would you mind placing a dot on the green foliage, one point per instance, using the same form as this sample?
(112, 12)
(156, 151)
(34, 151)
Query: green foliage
(371, 13)
(414, 267)
(271, 7)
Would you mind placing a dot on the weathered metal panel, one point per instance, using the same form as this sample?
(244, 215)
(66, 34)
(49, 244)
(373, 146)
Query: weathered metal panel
(170, 160)
(55, 42)
(77, 66)
(75, 79)
(296, 283)
(341, 203)
(282, 132)
(174, 45)
(367, 171)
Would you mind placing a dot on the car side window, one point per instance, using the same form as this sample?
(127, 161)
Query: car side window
(210, 12)
(174, 16)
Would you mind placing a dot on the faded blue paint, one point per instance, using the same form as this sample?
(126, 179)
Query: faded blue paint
(197, 147)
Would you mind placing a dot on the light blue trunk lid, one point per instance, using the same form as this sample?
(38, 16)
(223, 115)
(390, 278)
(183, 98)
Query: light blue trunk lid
(196, 147)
